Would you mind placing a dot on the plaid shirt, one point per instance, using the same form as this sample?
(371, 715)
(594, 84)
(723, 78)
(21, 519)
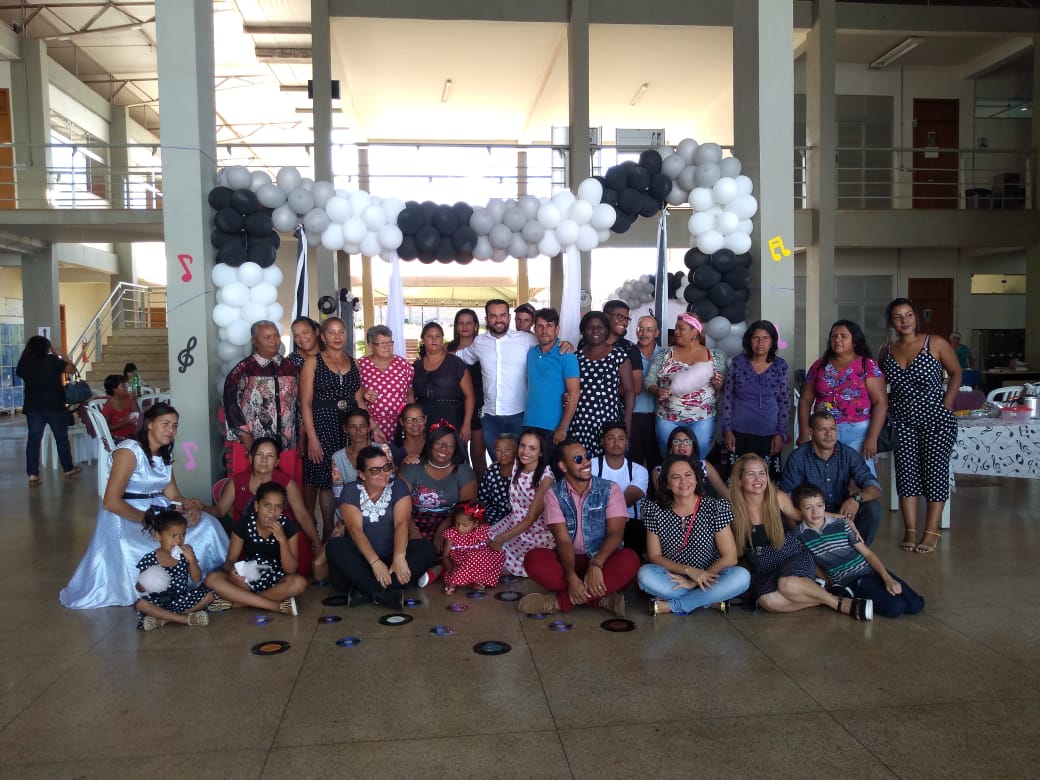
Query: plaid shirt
(260, 399)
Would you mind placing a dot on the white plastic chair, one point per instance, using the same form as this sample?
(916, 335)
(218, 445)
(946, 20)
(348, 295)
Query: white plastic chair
(80, 444)
(147, 401)
(1004, 394)
(106, 446)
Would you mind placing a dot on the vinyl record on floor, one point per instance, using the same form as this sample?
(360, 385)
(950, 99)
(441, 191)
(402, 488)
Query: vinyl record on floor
(457, 607)
(395, 619)
(335, 601)
(509, 595)
(442, 631)
(492, 648)
(329, 619)
(348, 641)
(260, 620)
(538, 616)
(476, 594)
(270, 648)
(618, 625)
(560, 625)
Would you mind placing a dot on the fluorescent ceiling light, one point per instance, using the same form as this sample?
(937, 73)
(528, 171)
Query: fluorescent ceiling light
(639, 93)
(897, 51)
(446, 92)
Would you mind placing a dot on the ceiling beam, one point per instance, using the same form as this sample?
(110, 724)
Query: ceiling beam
(283, 54)
(277, 28)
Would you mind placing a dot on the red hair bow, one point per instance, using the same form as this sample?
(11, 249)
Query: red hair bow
(474, 509)
(443, 424)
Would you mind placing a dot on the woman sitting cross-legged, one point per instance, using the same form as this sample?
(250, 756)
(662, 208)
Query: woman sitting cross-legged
(692, 553)
(374, 559)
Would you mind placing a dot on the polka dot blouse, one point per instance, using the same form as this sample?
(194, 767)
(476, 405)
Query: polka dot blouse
(699, 550)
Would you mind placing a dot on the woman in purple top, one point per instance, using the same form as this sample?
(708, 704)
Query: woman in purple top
(846, 382)
(756, 399)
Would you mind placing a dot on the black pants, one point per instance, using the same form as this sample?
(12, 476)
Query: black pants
(348, 568)
(642, 444)
(745, 443)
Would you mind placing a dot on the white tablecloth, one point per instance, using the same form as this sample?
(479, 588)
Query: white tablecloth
(997, 448)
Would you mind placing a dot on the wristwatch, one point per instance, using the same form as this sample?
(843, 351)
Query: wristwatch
(858, 498)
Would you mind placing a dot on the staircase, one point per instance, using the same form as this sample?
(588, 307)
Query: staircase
(147, 347)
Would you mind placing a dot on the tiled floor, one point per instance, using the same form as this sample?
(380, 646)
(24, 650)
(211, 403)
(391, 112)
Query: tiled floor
(954, 691)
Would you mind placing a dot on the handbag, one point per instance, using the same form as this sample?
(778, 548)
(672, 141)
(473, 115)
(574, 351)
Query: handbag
(77, 391)
(887, 437)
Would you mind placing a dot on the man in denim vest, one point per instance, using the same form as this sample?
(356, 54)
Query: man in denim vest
(587, 517)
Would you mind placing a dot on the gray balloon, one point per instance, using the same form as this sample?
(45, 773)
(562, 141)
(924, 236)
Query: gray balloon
(301, 201)
(500, 237)
(315, 221)
(687, 178)
(482, 221)
(672, 165)
(533, 231)
(515, 218)
(707, 174)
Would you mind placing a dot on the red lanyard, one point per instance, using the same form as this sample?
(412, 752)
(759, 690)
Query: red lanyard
(689, 528)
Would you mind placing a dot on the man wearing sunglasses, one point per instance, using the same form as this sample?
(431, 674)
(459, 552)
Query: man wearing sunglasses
(586, 515)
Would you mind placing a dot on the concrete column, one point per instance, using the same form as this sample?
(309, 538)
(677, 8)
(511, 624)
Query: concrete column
(119, 157)
(40, 294)
(368, 306)
(185, 59)
(523, 292)
(580, 164)
(1033, 251)
(31, 112)
(821, 189)
(763, 113)
(321, 75)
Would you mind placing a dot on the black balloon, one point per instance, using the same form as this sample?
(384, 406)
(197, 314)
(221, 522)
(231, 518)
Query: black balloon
(464, 239)
(244, 201)
(741, 296)
(261, 252)
(630, 201)
(228, 220)
(427, 239)
(229, 241)
(426, 258)
(706, 277)
(693, 294)
(638, 177)
(445, 250)
(610, 197)
(650, 205)
(217, 237)
(233, 253)
(739, 278)
(259, 224)
(651, 160)
(674, 282)
(721, 295)
(276, 239)
(735, 312)
(445, 220)
(463, 211)
(660, 185)
(745, 259)
(464, 258)
(704, 309)
(724, 260)
(623, 222)
(408, 250)
(410, 220)
(219, 197)
(695, 258)
(616, 178)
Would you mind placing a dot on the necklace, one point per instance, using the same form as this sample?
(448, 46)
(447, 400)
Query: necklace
(431, 464)
(370, 509)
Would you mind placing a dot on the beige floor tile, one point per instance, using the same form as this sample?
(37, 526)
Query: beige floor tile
(24, 678)
(1011, 631)
(198, 765)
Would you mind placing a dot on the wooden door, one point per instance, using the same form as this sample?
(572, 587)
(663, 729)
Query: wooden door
(933, 299)
(7, 193)
(935, 172)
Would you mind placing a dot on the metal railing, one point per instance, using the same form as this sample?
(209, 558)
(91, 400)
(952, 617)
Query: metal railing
(127, 306)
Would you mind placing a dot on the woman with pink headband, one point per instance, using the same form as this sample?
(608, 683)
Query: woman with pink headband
(687, 380)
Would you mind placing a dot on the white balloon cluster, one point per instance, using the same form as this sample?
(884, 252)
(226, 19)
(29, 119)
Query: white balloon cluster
(532, 226)
(245, 295)
(635, 292)
(718, 193)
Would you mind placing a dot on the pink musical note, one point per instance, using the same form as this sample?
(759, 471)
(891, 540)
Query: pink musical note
(190, 448)
(780, 343)
(185, 261)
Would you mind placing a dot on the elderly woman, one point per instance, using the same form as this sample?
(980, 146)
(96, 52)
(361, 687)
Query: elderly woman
(386, 382)
(686, 379)
(438, 481)
(847, 383)
(442, 384)
(783, 575)
(141, 477)
(689, 544)
(120, 410)
(756, 398)
(605, 376)
(922, 409)
(493, 487)
(41, 370)
(374, 558)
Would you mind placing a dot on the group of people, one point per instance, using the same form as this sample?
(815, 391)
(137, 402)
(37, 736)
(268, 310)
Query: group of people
(586, 469)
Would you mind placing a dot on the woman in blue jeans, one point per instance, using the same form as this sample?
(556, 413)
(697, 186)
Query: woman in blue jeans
(41, 370)
(692, 551)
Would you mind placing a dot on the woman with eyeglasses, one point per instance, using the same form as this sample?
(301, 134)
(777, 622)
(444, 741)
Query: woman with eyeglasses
(386, 382)
(442, 384)
(410, 437)
(371, 557)
(682, 443)
(440, 480)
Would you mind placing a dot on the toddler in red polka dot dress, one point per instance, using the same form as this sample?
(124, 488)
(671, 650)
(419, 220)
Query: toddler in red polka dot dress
(468, 561)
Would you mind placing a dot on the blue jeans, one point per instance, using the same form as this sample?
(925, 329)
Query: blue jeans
(59, 423)
(871, 586)
(703, 431)
(653, 579)
(852, 434)
(496, 424)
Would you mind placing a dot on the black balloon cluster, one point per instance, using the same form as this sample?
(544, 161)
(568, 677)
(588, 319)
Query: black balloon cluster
(718, 284)
(635, 189)
(436, 232)
(242, 228)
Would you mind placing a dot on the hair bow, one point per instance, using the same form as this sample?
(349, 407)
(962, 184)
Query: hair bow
(474, 509)
(442, 424)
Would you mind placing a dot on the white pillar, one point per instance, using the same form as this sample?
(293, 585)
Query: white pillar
(31, 111)
(321, 79)
(579, 163)
(40, 294)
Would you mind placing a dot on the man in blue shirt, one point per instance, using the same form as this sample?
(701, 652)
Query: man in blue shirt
(831, 466)
(550, 375)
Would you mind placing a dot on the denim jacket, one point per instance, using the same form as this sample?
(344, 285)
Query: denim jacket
(593, 512)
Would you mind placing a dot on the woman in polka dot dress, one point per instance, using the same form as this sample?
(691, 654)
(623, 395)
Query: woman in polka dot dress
(468, 559)
(386, 382)
(926, 429)
(607, 392)
(523, 529)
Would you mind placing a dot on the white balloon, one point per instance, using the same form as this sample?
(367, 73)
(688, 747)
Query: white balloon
(745, 226)
(497, 209)
(518, 247)
(338, 209)
(707, 174)
(687, 178)
(745, 206)
(284, 218)
(390, 237)
(515, 218)
(239, 177)
(264, 293)
(253, 311)
(483, 249)
(707, 153)
(301, 201)
(725, 191)
(275, 312)
(603, 216)
(307, 183)
(745, 185)
(354, 230)
(389, 255)
(530, 204)
(223, 275)
(701, 199)
(392, 207)
(676, 196)
(270, 195)
(220, 180)
(222, 332)
(710, 242)
(250, 274)
(727, 222)
(581, 211)
(359, 201)
(533, 231)
(322, 191)
(587, 238)
(738, 329)
(500, 255)
(288, 179)
(234, 295)
(374, 217)
(701, 222)
(549, 245)
(370, 246)
(730, 167)
(717, 327)
(316, 220)
(224, 315)
(482, 221)
(665, 152)
(500, 236)
(227, 351)
(352, 248)
(273, 275)
(567, 232)
(686, 149)
(591, 191)
(238, 333)
(258, 179)
(313, 238)
(603, 235)
(332, 237)
(549, 215)
(563, 200)
(672, 166)
(737, 243)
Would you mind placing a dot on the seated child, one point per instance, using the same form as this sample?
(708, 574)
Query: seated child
(468, 561)
(178, 596)
(849, 563)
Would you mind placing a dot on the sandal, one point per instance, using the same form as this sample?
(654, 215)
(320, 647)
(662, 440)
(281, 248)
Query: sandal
(219, 605)
(924, 549)
(72, 472)
(151, 623)
(652, 609)
(908, 544)
(198, 618)
(34, 480)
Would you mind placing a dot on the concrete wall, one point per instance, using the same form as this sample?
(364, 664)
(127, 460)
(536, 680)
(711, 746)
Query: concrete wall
(81, 301)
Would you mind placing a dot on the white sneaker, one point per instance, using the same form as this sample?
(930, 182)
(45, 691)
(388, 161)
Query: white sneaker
(430, 576)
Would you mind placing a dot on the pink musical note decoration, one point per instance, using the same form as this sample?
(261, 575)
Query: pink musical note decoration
(780, 343)
(190, 448)
(185, 261)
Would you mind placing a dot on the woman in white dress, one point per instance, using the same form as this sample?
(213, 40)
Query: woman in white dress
(141, 476)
